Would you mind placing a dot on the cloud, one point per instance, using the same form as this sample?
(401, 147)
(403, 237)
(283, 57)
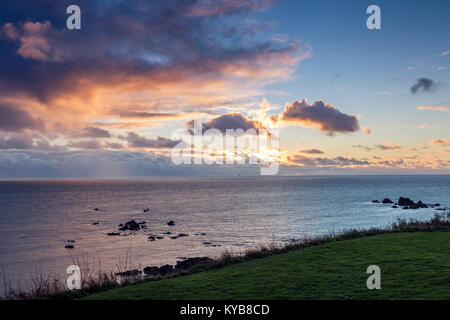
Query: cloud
(33, 42)
(425, 85)
(445, 141)
(131, 114)
(367, 131)
(387, 146)
(136, 141)
(337, 161)
(14, 119)
(16, 143)
(359, 146)
(86, 144)
(152, 60)
(427, 125)
(93, 132)
(445, 53)
(434, 108)
(231, 121)
(312, 151)
(217, 8)
(324, 116)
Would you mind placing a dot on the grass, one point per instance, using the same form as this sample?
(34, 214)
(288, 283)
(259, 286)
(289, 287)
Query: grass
(414, 265)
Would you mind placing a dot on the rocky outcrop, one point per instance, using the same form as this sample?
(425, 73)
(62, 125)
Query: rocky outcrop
(130, 225)
(191, 262)
(405, 202)
(185, 264)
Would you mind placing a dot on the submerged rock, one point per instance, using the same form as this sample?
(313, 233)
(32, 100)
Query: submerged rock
(375, 201)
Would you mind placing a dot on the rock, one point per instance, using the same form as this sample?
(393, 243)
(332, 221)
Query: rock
(206, 243)
(182, 235)
(191, 262)
(375, 201)
(405, 208)
(130, 225)
(165, 269)
(405, 202)
(146, 210)
(395, 207)
(96, 209)
(151, 238)
(71, 241)
(171, 223)
(200, 234)
(437, 204)
(113, 234)
(129, 273)
(143, 222)
(152, 271)
(159, 238)
(421, 204)
(69, 246)
(173, 238)
(418, 205)
(387, 200)
(168, 232)
(95, 223)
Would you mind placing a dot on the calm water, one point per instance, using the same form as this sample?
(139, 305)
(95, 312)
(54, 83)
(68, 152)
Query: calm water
(38, 217)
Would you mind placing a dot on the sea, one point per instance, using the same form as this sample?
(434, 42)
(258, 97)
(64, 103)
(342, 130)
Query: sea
(39, 218)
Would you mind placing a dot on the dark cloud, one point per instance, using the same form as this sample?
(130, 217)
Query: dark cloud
(135, 44)
(388, 146)
(26, 142)
(14, 119)
(136, 141)
(319, 161)
(86, 144)
(10, 143)
(229, 121)
(425, 85)
(324, 116)
(113, 145)
(93, 132)
(145, 115)
(312, 151)
(359, 146)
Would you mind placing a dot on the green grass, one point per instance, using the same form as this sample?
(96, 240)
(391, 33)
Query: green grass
(414, 265)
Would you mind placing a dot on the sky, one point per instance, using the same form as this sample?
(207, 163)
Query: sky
(109, 100)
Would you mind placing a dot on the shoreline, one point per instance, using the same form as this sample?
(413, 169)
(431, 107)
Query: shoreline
(55, 289)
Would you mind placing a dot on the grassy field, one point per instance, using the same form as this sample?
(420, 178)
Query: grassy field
(414, 265)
